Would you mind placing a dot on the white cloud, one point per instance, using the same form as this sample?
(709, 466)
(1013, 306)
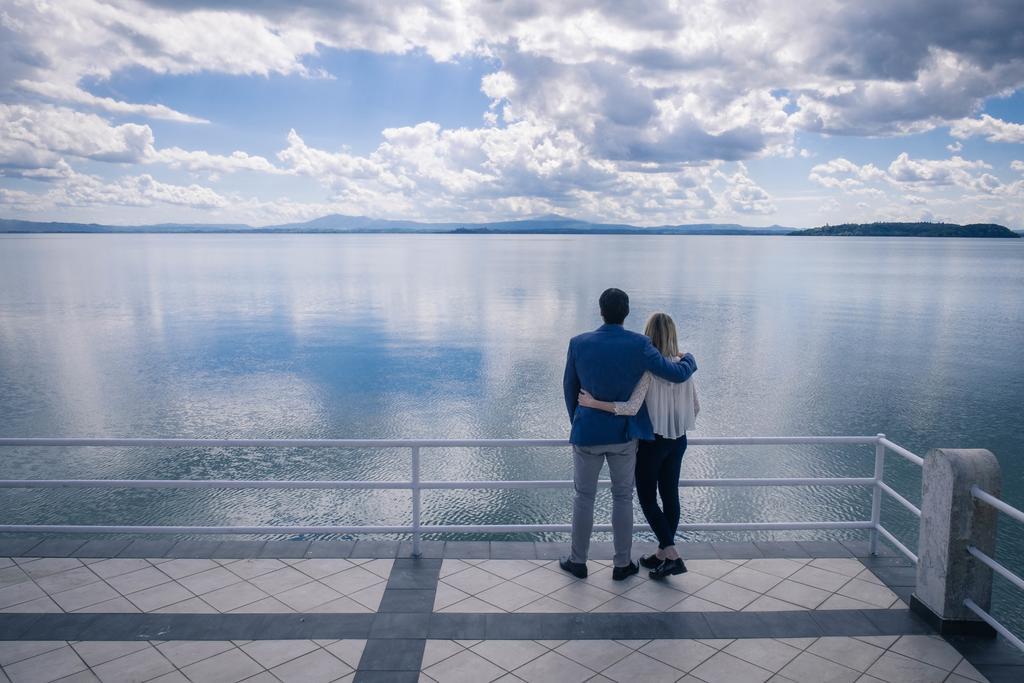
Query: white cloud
(955, 189)
(843, 174)
(704, 70)
(906, 172)
(607, 109)
(988, 127)
(1017, 165)
(955, 171)
(201, 160)
(82, 190)
(74, 94)
(32, 137)
(35, 139)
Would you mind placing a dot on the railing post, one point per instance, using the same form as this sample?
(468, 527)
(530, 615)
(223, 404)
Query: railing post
(416, 501)
(951, 521)
(876, 493)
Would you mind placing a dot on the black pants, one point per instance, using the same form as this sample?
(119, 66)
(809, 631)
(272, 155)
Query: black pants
(657, 472)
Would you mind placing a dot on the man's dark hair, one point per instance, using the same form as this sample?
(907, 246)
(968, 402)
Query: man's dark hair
(614, 306)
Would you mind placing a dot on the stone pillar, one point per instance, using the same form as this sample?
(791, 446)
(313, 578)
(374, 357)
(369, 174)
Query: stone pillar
(951, 520)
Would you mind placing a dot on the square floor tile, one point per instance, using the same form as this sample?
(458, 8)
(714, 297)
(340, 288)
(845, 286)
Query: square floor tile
(766, 653)
(308, 596)
(728, 595)
(870, 593)
(96, 652)
(318, 666)
(438, 650)
(684, 655)
(117, 566)
(67, 580)
(809, 668)
(355, 579)
(582, 596)
(349, 651)
(227, 667)
(473, 580)
(181, 653)
(850, 652)
(819, 578)
(801, 594)
(233, 596)
(896, 668)
(46, 667)
(594, 654)
(509, 596)
(543, 580)
(156, 597)
(249, 569)
(12, 651)
(509, 654)
(83, 596)
(180, 568)
(209, 580)
(464, 666)
(553, 667)
(138, 666)
(932, 650)
(750, 579)
(724, 668)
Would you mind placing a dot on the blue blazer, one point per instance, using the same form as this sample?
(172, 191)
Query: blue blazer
(608, 363)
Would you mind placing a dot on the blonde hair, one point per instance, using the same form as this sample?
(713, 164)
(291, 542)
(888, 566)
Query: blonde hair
(662, 332)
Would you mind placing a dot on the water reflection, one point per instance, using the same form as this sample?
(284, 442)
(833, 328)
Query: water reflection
(464, 336)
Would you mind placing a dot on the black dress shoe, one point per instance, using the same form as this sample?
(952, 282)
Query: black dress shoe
(668, 568)
(650, 561)
(577, 569)
(620, 573)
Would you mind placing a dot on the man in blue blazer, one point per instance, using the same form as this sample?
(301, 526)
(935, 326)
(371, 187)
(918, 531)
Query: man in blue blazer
(608, 363)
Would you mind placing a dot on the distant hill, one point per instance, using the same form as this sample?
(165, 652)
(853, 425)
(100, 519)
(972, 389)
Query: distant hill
(909, 230)
(338, 223)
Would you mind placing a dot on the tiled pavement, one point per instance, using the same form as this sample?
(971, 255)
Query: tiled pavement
(211, 611)
(191, 585)
(892, 659)
(761, 584)
(257, 661)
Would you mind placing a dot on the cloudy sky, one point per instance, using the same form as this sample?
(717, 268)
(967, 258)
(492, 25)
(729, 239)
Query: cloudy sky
(649, 112)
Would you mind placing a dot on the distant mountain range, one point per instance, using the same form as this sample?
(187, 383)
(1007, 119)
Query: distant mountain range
(337, 223)
(542, 225)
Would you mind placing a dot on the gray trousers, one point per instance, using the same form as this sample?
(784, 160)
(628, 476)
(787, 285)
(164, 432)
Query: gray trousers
(587, 464)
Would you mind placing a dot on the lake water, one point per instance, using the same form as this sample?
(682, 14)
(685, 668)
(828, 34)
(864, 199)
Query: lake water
(383, 336)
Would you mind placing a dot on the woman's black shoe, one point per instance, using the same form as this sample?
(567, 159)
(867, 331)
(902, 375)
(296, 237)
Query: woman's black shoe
(668, 568)
(650, 561)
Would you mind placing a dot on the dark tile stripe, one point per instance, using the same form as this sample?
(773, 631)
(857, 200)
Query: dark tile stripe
(392, 655)
(146, 548)
(400, 627)
(422, 625)
(285, 549)
(58, 547)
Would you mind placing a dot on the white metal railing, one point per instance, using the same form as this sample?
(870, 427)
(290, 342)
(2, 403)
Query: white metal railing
(416, 485)
(982, 557)
(995, 565)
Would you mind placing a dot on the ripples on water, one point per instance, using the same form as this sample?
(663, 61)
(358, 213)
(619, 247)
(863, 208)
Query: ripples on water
(376, 336)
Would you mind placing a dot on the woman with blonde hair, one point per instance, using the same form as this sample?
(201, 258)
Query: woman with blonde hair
(673, 409)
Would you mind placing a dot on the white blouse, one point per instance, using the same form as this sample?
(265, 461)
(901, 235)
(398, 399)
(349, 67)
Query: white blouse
(673, 406)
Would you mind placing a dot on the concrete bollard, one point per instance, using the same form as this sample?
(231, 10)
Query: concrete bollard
(951, 520)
